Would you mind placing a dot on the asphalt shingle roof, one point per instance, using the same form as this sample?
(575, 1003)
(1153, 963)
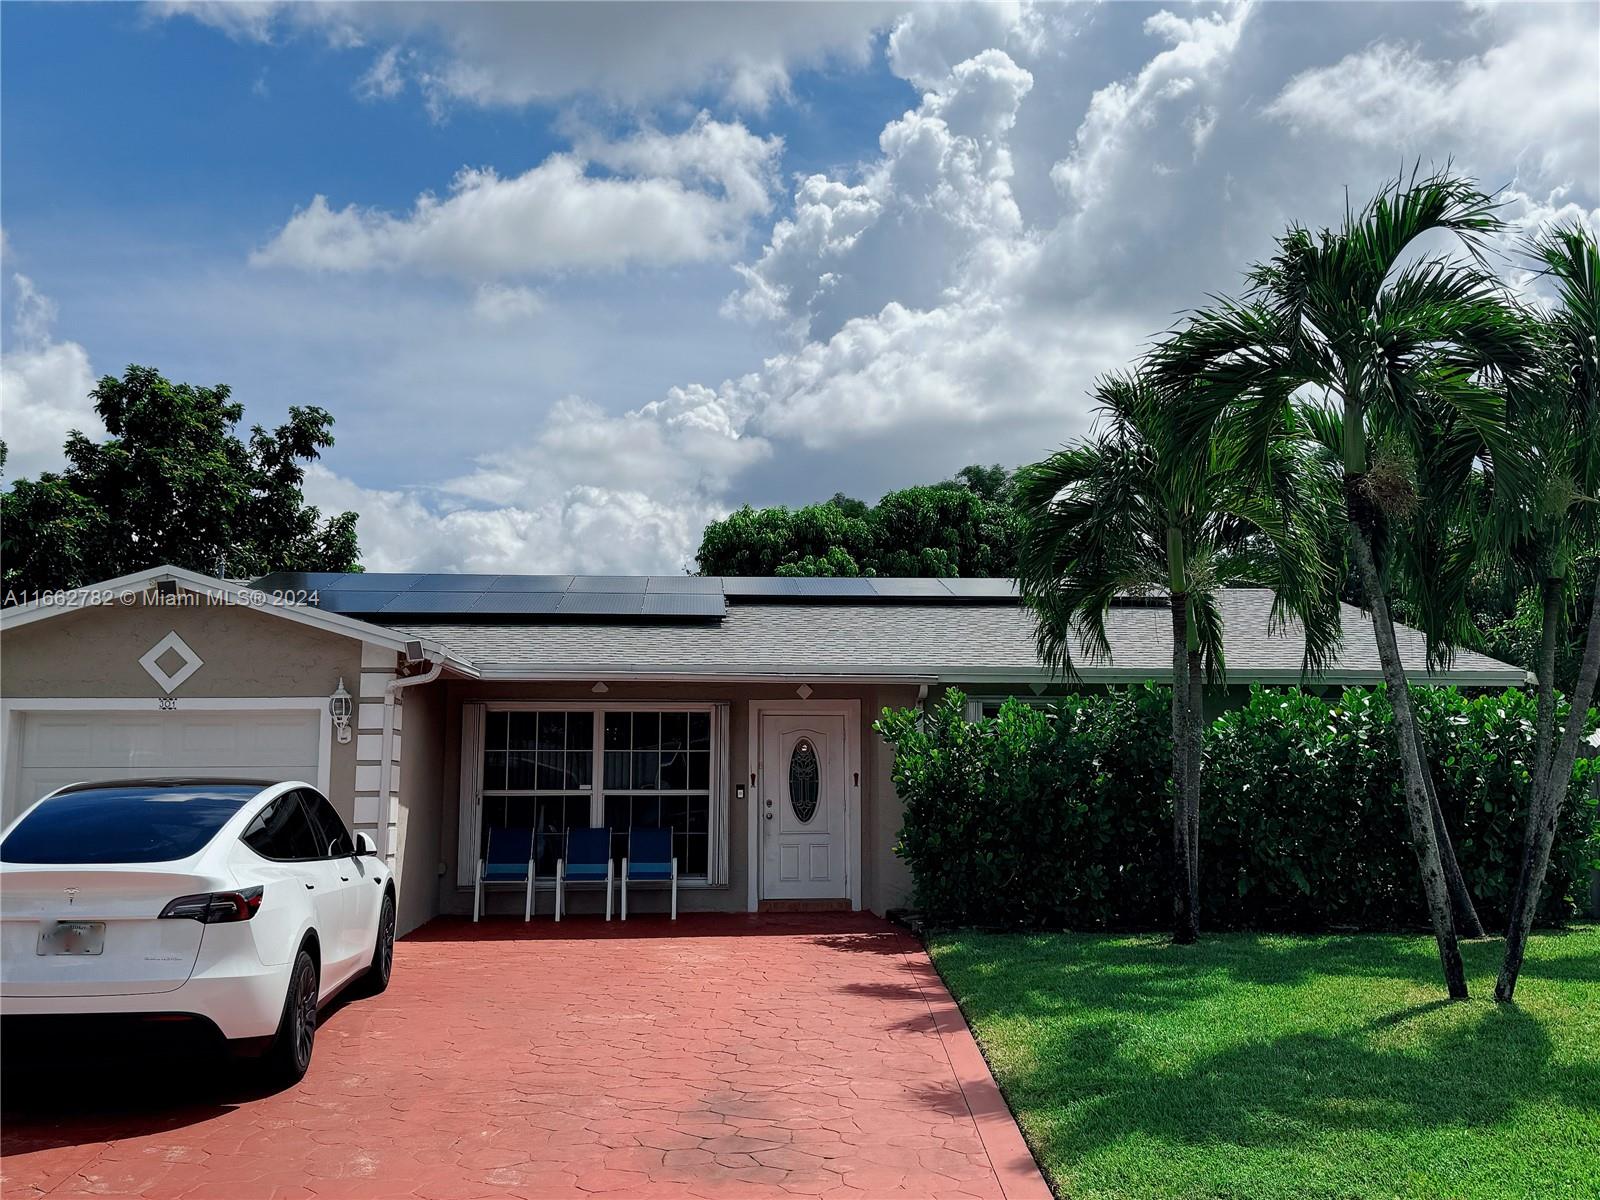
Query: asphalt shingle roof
(917, 641)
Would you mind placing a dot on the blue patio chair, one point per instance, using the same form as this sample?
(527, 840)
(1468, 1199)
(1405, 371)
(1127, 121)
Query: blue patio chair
(586, 859)
(650, 858)
(509, 860)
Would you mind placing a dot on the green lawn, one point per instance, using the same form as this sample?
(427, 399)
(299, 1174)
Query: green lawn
(1260, 1066)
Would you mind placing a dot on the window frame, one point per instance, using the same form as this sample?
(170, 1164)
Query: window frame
(292, 796)
(308, 797)
(472, 793)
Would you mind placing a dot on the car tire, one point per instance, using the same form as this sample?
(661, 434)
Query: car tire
(376, 979)
(289, 1056)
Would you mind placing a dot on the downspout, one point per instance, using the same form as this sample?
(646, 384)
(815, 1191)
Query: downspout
(390, 690)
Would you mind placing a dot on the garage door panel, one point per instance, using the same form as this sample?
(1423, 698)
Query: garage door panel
(61, 748)
(206, 740)
(279, 740)
(141, 739)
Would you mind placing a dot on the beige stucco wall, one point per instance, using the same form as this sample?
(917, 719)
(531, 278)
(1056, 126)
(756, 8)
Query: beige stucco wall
(885, 882)
(94, 653)
(420, 806)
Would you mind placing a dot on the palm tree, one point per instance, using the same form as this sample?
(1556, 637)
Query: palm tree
(1132, 511)
(1395, 341)
(1558, 415)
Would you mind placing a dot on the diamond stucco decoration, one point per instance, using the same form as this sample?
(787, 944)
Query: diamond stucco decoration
(173, 644)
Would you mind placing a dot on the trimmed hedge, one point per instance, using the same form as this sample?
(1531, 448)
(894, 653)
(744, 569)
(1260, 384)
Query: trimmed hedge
(1060, 817)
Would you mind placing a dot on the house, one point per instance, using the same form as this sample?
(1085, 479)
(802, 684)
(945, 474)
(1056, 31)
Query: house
(431, 707)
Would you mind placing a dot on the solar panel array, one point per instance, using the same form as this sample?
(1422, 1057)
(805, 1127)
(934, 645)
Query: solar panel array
(388, 595)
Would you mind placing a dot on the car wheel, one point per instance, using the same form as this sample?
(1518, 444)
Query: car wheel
(290, 1055)
(383, 952)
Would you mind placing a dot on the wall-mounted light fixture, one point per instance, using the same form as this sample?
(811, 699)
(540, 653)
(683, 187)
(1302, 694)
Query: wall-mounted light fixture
(340, 706)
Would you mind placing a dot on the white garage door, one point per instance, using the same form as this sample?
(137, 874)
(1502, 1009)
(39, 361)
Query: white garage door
(57, 748)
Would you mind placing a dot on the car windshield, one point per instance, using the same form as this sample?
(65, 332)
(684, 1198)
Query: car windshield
(124, 824)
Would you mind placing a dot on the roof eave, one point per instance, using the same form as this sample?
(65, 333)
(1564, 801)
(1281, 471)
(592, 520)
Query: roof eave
(112, 591)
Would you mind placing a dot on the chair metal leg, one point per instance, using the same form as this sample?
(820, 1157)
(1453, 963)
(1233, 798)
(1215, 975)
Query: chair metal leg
(624, 884)
(610, 883)
(674, 889)
(561, 886)
(527, 907)
(477, 893)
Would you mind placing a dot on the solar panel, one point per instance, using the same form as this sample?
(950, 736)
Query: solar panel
(602, 604)
(339, 581)
(456, 583)
(794, 587)
(698, 585)
(417, 601)
(353, 601)
(999, 589)
(531, 583)
(515, 603)
(834, 587)
(905, 588)
(658, 604)
(625, 584)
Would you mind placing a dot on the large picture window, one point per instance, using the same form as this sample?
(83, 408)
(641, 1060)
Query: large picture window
(658, 775)
(552, 768)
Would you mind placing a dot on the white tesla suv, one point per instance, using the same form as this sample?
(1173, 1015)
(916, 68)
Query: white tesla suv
(238, 907)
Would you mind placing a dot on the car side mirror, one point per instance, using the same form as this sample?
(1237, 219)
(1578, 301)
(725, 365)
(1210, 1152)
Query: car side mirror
(365, 846)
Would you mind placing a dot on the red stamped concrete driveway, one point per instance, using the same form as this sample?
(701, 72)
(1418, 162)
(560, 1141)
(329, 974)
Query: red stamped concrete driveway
(737, 1057)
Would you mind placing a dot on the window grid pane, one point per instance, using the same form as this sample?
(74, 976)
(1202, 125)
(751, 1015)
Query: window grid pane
(688, 816)
(655, 773)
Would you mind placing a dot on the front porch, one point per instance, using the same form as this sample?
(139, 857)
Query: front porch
(777, 794)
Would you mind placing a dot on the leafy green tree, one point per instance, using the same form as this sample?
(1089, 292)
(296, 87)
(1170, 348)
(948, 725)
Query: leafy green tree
(1407, 349)
(967, 526)
(1551, 526)
(173, 484)
(1137, 509)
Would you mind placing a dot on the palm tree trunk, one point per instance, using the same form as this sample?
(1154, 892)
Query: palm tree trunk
(1466, 916)
(1549, 795)
(1197, 721)
(1543, 736)
(1549, 635)
(1424, 840)
(1185, 927)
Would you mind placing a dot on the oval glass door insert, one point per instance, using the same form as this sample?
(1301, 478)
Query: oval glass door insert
(803, 780)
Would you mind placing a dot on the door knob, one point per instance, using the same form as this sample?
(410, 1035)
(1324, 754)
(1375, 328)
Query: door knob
(769, 816)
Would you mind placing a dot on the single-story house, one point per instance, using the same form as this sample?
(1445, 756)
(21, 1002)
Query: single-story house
(429, 708)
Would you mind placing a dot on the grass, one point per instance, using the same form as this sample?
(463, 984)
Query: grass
(1268, 1066)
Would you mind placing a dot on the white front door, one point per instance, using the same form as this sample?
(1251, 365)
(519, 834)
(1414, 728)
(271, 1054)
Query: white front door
(801, 807)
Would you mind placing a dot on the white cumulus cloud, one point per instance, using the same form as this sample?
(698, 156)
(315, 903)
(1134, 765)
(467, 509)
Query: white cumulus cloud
(899, 234)
(44, 386)
(676, 198)
(1532, 98)
(622, 494)
(517, 54)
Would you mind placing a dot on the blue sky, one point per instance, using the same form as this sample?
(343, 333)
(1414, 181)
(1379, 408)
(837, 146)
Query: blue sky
(583, 276)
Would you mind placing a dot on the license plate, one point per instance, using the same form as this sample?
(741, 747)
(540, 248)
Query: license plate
(73, 937)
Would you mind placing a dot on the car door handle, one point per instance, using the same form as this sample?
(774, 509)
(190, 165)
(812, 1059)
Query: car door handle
(344, 879)
(310, 887)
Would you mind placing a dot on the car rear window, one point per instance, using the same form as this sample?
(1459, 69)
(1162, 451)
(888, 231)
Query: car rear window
(123, 824)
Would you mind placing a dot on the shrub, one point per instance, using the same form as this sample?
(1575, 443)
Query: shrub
(1061, 816)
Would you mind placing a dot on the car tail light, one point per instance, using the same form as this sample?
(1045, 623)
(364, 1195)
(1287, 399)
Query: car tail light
(212, 908)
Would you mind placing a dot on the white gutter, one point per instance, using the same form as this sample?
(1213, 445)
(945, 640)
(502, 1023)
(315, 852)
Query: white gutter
(391, 689)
